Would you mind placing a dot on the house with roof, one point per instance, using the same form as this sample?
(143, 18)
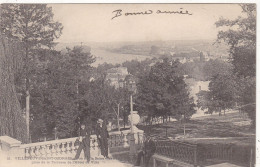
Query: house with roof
(116, 76)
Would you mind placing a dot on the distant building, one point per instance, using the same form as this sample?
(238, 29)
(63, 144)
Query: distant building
(121, 83)
(224, 58)
(204, 56)
(130, 83)
(172, 53)
(183, 60)
(120, 78)
(194, 88)
(116, 76)
(189, 60)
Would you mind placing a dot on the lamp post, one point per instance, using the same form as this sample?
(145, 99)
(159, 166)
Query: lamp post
(132, 135)
(132, 151)
(44, 133)
(131, 112)
(125, 116)
(184, 128)
(55, 133)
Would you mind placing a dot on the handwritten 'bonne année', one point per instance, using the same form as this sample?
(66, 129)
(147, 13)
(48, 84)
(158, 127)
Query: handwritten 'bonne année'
(119, 12)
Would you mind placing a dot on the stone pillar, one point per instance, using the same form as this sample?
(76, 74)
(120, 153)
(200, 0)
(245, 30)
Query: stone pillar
(136, 131)
(11, 147)
(134, 118)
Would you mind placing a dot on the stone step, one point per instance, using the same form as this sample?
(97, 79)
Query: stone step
(224, 165)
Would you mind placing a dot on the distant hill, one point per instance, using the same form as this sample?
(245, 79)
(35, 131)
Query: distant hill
(159, 48)
(147, 47)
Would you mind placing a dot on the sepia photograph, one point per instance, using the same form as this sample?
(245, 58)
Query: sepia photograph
(128, 85)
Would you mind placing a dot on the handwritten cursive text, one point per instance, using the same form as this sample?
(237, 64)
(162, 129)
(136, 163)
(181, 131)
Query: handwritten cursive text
(119, 12)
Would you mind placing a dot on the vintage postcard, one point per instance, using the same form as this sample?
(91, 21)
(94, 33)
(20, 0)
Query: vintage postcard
(128, 85)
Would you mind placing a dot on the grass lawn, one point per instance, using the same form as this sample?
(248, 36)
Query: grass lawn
(229, 128)
(209, 132)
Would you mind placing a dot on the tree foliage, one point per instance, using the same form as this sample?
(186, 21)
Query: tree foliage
(222, 94)
(32, 24)
(238, 86)
(137, 68)
(58, 90)
(34, 27)
(241, 37)
(163, 92)
(206, 70)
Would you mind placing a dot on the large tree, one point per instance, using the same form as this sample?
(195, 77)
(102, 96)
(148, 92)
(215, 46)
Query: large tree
(58, 91)
(33, 25)
(240, 35)
(163, 92)
(241, 38)
(221, 95)
(117, 100)
(96, 101)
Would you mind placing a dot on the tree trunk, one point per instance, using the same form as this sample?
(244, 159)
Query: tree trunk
(118, 124)
(27, 113)
(27, 86)
(124, 120)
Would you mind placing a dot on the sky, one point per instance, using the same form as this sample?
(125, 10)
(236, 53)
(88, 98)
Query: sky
(94, 23)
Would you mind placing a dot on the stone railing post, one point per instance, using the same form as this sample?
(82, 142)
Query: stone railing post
(37, 151)
(53, 150)
(43, 151)
(11, 147)
(125, 141)
(73, 148)
(48, 150)
(62, 148)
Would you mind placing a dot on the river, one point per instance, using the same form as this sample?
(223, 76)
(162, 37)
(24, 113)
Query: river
(103, 56)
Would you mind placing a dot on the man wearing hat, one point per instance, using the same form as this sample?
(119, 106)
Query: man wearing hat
(102, 136)
(148, 149)
(84, 143)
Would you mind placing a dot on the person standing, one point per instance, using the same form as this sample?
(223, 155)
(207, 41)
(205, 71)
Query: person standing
(102, 136)
(147, 151)
(84, 143)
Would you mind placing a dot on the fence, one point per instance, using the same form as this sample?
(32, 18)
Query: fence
(214, 151)
(238, 154)
(206, 154)
(180, 151)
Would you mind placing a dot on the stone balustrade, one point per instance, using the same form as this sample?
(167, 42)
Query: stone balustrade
(68, 147)
(53, 148)
(122, 138)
